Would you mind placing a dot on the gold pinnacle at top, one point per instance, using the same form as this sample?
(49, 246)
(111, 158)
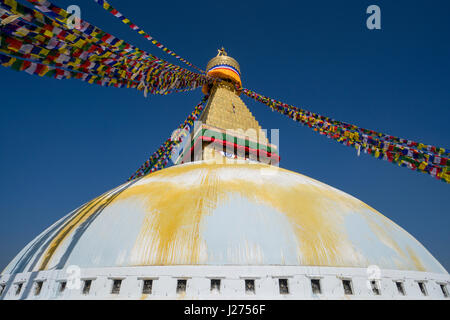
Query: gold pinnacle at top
(221, 52)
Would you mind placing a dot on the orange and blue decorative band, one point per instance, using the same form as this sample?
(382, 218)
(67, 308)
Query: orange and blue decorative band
(225, 66)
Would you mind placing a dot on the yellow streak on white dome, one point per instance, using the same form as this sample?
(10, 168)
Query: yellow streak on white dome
(167, 238)
(178, 199)
(81, 217)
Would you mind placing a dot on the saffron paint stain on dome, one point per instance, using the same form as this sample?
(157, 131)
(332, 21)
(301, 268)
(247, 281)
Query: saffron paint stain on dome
(226, 214)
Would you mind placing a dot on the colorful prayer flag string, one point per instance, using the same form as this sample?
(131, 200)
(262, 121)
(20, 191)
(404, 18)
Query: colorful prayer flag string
(105, 5)
(406, 153)
(89, 50)
(42, 70)
(160, 158)
(56, 22)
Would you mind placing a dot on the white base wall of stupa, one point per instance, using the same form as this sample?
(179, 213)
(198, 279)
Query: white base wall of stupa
(232, 283)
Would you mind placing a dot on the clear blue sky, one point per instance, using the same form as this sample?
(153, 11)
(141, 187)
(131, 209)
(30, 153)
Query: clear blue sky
(64, 142)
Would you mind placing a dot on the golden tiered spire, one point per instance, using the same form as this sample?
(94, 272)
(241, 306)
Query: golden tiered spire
(226, 110)
(226, 122)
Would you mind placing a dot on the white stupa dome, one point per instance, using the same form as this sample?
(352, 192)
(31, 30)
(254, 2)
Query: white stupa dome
(240, 221)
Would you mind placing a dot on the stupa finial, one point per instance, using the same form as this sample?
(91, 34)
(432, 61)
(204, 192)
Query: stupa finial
(224, 67)
(221, 52)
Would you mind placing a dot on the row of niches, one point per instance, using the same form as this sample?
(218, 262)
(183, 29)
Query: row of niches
(248, 287)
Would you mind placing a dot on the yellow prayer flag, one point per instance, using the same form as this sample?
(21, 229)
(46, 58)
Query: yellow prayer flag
(40, 38)
(48, 33)
(119, 43)
(422, 165)
(12, 4)
(71, 37)
(79, 44)
(44, 51)
(22, 32)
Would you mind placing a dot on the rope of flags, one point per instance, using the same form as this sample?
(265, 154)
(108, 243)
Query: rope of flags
(108, 7)
(43, 38)
(160, 158)
(57, 73)
(406, 153)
